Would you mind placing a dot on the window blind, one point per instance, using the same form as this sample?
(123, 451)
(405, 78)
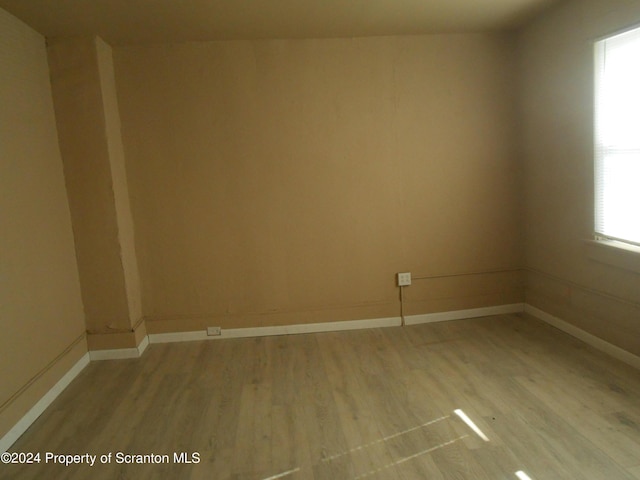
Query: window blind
(617, 137)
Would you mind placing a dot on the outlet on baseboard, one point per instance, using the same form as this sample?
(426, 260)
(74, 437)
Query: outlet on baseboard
(404, 279)
(214, 331)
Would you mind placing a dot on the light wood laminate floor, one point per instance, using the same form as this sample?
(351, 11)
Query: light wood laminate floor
(368, 404)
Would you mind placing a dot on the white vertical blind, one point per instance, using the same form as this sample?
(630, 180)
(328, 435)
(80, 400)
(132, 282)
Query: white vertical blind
(617, 137)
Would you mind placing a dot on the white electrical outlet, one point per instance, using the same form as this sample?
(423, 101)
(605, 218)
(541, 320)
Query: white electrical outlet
(214, 331)
(404, 279)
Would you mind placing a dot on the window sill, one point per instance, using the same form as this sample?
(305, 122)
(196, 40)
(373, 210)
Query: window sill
(616, 254)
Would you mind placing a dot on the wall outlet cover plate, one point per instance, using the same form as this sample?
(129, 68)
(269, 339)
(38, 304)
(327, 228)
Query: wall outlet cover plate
(404, 279)
(214, 331)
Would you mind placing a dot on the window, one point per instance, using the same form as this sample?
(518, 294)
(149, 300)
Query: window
(617, 137)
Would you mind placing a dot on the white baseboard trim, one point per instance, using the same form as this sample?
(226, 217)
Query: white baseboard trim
(120, 353)
(276, 330)
(143, 345)
(596, 342)
(32, 415)
(462, 314)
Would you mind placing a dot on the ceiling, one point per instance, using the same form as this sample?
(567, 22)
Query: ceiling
(158, 21)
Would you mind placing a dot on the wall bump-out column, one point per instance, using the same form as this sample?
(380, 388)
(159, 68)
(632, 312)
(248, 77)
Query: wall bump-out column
(88, 123)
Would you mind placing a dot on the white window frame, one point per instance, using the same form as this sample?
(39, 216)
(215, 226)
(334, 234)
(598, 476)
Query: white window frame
(616, 142)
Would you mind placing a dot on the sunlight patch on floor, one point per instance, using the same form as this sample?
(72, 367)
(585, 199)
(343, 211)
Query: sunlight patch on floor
(384, 439)
(463, 416)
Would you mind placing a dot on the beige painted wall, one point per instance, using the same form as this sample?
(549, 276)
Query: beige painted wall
(40, 304)
(277, 182)
(568, 277)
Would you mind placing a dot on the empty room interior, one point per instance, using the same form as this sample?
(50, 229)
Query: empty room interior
(320, 240)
